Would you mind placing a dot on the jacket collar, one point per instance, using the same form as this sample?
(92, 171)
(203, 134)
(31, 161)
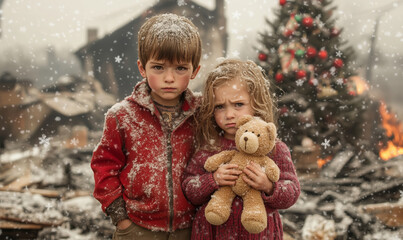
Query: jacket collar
(141, 95)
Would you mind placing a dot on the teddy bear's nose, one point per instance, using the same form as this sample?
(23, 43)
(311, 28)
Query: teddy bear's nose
(245, 138)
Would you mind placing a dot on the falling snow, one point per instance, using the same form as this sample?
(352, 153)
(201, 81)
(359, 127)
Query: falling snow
(38, 40)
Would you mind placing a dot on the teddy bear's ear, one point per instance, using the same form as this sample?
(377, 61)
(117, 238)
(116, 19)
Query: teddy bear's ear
(271, 128)
(244, 119)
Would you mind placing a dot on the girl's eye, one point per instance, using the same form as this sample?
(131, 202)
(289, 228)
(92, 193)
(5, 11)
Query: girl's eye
(218, 107)
(239, 104)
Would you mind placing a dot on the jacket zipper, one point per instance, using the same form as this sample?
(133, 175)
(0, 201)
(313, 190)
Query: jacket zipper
(170, 180)
(170, 183)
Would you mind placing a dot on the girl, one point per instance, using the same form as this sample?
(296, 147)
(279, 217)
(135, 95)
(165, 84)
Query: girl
(233, 89)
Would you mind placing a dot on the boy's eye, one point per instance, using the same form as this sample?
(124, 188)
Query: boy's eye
(182, 68)
(157, 67)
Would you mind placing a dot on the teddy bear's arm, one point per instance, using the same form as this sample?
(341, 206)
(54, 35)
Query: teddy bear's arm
(272, 170)
(212, 163)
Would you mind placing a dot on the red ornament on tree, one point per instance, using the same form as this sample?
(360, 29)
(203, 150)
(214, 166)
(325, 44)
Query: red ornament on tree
(311, 52)
(283, 2)
(279, 77)
(338, 63)
(300, 74)
(352, 93)
(262, 57)
(307, 22)
(283, 110)
(322, 54)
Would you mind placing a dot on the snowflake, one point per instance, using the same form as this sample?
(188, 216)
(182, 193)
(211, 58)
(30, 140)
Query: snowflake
(236, 15)
(118, 59)
(339, 81)
(48, 206)
(181, 3)
(339, 53)
(235, 53)
(333, 71)
(74, 141)
(325, 143)
(315, 82)
(300, 82)
(44, 140)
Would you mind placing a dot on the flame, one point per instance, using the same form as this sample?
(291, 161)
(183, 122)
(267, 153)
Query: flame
(323, 161)
(394, 130)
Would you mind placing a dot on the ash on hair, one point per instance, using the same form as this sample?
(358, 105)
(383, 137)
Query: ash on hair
(169, 37)
(258, 86)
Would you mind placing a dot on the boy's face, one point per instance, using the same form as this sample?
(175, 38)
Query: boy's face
(167, 80)
(231, 101)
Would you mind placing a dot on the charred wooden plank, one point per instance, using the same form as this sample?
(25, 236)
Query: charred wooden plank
(380, 191)
(390, 214)
(333, 168)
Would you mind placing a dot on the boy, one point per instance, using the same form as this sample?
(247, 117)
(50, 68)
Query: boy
(148, 137)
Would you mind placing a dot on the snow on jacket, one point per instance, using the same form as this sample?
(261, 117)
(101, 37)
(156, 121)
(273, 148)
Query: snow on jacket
(199, 185)
(139, 159)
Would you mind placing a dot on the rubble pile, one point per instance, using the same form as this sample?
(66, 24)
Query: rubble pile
(350, 197)
(52, 197)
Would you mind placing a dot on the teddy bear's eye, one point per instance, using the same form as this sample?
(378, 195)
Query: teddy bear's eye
(246, 130)
(253, 132)
(258, 135)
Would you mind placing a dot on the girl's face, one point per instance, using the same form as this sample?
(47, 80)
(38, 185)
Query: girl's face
(232, 100)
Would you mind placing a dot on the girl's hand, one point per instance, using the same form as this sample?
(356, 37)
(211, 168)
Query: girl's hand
(257, 179)
(226, 175)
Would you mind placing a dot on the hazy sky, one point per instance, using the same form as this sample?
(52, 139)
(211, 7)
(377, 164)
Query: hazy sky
(31, 26)
(63, 23)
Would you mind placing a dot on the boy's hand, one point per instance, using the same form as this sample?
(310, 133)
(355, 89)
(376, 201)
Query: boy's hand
(257, 179)
(125, 223)
(226, 175)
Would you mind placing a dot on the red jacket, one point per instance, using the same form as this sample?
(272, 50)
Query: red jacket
(139, 159)
(199, 185)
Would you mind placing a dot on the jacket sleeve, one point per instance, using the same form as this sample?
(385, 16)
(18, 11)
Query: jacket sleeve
(286, 189)
(198, 184)
(107, 161)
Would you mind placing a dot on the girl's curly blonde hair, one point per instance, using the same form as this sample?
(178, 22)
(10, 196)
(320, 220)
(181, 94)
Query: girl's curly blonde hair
(258, 86)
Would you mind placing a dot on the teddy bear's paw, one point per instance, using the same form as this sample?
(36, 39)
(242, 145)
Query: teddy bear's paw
(215, 218)
(253, 225)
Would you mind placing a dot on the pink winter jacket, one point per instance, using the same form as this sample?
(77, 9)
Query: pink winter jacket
(199, 185)
(139, 160)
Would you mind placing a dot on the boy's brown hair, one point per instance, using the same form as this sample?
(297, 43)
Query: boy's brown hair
(169, 37)
(258, 86)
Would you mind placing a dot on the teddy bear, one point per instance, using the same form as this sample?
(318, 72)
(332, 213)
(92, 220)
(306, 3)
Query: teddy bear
(254, 139)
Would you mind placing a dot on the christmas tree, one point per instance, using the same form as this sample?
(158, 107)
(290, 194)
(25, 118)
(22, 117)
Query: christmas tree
(311, 66)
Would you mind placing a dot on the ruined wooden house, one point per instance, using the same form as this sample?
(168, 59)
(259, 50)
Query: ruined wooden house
(98, 56)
